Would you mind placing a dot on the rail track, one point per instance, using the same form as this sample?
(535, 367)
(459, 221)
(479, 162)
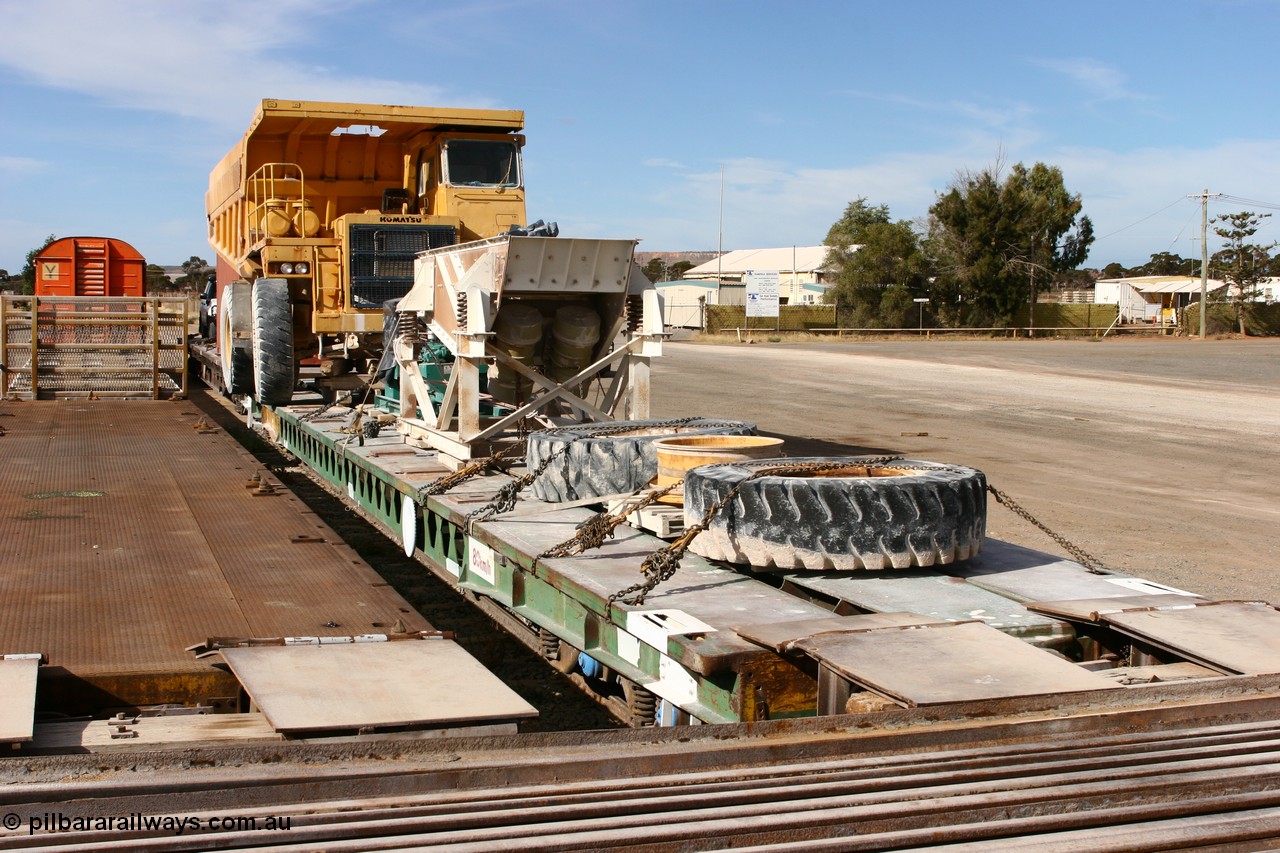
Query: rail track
(1183, 772)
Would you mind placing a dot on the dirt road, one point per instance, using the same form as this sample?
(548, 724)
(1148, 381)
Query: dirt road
(1162, 458)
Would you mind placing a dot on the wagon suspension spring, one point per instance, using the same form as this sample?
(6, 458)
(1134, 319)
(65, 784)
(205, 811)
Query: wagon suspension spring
(548, 645)
(635, 313)
(460, 310)
(643, 706)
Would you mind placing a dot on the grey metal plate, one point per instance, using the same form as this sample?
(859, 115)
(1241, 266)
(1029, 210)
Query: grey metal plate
(129, 536)
(712, 594)
(18, 709)
(392, 684)
(927, 593)
(1026, 575)
(1095, 609)
(780, 636)
(949, 662)
(1234, 636)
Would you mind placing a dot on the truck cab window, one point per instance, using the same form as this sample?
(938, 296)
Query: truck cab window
(482, 163)
(424, 184)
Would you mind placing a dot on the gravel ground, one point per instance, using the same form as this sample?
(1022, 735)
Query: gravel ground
(1157, 456)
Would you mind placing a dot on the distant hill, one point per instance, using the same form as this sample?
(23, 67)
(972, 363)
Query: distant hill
(670, 258)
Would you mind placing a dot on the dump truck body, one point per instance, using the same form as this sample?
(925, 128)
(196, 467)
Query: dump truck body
(336, 200)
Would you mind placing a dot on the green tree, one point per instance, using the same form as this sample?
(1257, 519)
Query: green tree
(1167, 263)
(156, 279)
(879, 267)
(1115, 270)
(655, 270)
(194, 273)
(998, 242)
(29, 268)
(676, 271)
(845, 234)
(1242, 264)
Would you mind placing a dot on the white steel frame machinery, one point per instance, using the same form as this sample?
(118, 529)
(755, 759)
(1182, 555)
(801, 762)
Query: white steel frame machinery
(458, 292)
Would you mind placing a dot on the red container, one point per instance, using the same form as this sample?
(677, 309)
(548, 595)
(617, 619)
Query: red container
(90, 266)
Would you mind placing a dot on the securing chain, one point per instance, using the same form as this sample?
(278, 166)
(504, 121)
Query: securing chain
(473, 469)
(663, 563)
(595, 530)
(361, 393)
(1091, 563)
(505, 500)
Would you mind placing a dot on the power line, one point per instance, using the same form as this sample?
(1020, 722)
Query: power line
(1142, 220)
(1249, 201)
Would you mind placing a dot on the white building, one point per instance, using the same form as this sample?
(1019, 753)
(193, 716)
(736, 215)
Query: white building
(683, 302)
(803, 274)
(1158, 298)
(1150, 298)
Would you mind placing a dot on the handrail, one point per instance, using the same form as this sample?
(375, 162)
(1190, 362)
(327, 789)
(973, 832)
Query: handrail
(59, 345)
(271, 183)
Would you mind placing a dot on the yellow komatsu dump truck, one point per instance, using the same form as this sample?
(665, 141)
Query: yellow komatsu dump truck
(320, 210)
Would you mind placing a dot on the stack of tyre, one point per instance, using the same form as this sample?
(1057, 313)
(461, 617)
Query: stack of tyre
(851, 515)
(815, 513)
(618, 457)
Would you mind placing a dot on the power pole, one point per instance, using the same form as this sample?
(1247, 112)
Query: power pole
(1204, 254)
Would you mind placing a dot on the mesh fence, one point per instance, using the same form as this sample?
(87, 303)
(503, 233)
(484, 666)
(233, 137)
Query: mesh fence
(123, 346)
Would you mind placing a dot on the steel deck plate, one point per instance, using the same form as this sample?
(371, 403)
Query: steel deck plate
(713, 595)
(1233, 636)
(18, 709)
(1026, 575)
(951, 662)
(782, 636)
(130, 535)
(927, 593)
(408, 683)
(1096, 609)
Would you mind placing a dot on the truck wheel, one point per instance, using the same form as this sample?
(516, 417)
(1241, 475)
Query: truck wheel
(237, 362)
(273, 365)
(617, 463)
(894, 515)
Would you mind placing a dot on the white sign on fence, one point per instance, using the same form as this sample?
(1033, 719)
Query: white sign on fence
(762, 293)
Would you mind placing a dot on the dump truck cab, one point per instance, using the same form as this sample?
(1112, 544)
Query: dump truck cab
(320, 210)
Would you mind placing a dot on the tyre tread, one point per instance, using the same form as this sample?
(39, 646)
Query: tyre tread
(839, 523)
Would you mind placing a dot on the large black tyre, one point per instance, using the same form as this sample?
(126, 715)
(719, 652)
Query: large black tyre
(273, 364)
(901, 514)
(618, 462)
(237, 360)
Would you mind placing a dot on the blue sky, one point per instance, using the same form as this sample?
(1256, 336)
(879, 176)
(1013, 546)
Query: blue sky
(114, 112)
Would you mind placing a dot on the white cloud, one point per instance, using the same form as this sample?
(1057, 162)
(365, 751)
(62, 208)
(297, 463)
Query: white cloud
(1120, 189)
(1102, 80)
(192, 59)
(990, 116)
(663, 163)
(770, 203)
(19, 166)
